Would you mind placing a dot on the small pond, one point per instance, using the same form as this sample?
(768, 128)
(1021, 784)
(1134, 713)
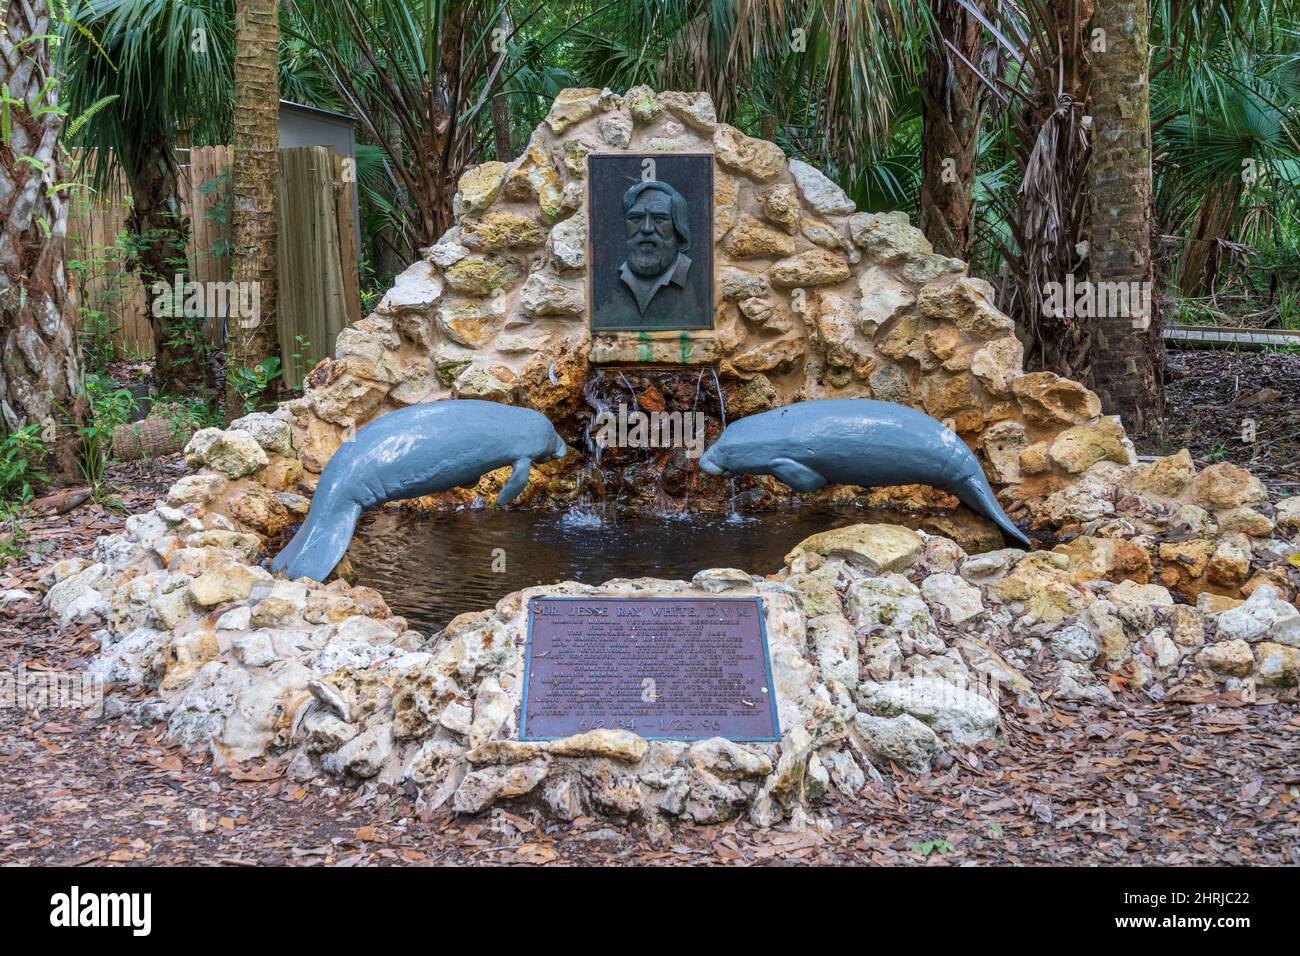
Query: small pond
(431, 567)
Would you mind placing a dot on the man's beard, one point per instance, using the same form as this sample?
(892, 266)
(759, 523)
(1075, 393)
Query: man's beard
(652, 262)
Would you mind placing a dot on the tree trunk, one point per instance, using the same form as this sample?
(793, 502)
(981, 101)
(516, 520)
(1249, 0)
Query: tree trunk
(1126, 351)
(1201, 260)
(39, 368)
(159, 230)
(501, 133)
(251, 339)
(951, 94)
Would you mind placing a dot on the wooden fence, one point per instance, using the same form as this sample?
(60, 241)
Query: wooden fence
(319, 287)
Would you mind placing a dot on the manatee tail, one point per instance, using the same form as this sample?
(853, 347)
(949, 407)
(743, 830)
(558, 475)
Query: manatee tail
(974, 492)
(322, 540)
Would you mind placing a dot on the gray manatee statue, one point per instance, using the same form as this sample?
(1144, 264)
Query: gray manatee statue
(855, 441)
(414, 451)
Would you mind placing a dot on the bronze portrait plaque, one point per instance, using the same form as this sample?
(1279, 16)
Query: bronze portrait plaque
(661, 668)
(650, 235)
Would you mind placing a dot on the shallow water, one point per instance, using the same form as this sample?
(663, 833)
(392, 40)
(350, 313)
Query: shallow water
(431, 567)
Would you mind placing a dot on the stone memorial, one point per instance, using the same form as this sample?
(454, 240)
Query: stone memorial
(886, 649)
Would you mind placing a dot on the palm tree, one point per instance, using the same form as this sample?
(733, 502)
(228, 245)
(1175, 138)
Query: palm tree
(953, 99)
(168, 63)
(1126, 354)
(414, 75)
(39, 370)
(1039, 87)
(252, 339)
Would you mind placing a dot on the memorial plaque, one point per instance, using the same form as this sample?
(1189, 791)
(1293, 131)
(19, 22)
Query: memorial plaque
(650, 241)
(662, 668)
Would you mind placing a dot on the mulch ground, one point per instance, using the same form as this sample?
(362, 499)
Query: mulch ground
(1213, 399)
(1216, 781)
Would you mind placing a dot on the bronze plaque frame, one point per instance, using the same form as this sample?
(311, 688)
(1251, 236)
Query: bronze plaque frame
(695, 668)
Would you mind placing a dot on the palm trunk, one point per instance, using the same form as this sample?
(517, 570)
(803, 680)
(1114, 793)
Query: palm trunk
(502, 140)
(1201, 261)
(159, 230)
(1126, 351)
(39, 369)
(251, 339)
(951, 93)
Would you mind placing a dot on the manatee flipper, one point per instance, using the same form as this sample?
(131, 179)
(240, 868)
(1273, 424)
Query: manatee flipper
(518, 479)
(321, 542)
(797, 476)
(975, 493)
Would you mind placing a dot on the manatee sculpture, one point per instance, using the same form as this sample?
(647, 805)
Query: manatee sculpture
(411, 452)
(854, 441)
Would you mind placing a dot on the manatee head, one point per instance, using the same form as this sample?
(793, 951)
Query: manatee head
(743, 448)
(557, 450)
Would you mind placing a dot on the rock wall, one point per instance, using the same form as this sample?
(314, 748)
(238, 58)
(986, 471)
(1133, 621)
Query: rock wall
(814, 300)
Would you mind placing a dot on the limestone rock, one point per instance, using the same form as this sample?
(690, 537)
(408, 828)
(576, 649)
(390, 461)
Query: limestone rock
(233, 453)
(884, 298)
(814, 267)
(261, 511)
(694, 109)
(497, 230)
(751, 239)
(479, 186)
(1227, 658)
(571, 107)
(1075, 682)
(195, 489)
(902, 739)
(544, 295)
(755, 158)
(889, 238)
(959, 715)
(569, 244)
(736, 283)
(417, 288)
(342, 399)
(232, 582)
(1042, 584)
(818, 191)
(1279, 665)
(615, 130)
(1075, 642)
(777, 355)
(477, 381)
(642, 104)
(466, 322)
(1048, 399)
(780, 204)
(1263, 615)
(1003, 444)
(877, 548)
(1165, 476)
(485, 786)
(770, 315)
(483, 274)
(1288, 513)
(1225, 486)
(998, 364)
(953, 599)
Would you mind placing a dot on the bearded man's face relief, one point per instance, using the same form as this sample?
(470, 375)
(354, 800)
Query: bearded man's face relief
(652, 244)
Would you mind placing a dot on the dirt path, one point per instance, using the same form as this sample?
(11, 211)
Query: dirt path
(1215, 781)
